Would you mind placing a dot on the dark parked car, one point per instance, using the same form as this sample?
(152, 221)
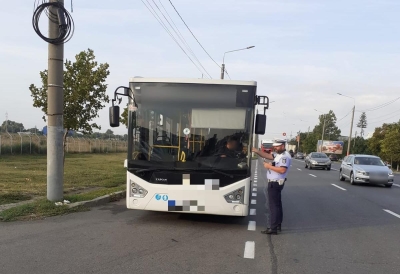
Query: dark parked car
(299, 155)
(318, 160)
(333, 157)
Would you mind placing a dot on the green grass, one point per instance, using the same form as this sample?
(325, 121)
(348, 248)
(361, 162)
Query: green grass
(25, 175)
(86, 176)
(92, 194)
(9, 198)
(37, 210)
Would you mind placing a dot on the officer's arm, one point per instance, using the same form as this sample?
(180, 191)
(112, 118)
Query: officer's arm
(263, 154)
(278, 169)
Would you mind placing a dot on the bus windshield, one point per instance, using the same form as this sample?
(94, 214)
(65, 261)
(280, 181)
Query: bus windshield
(186, 127)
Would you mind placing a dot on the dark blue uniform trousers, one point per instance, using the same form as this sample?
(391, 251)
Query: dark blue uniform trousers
(275, 203)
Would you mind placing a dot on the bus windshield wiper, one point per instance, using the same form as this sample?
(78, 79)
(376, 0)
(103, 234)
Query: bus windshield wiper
(152, 169)
(223, 173)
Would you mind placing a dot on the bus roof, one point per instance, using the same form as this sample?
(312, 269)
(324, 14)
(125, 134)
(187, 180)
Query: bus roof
(192, 81)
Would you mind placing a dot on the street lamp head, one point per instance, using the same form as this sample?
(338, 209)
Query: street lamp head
(339, 93)
(250, 47)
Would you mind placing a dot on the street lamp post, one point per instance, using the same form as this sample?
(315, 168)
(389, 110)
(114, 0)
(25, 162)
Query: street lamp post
(323, 130)
(223, 60)
(352, 119)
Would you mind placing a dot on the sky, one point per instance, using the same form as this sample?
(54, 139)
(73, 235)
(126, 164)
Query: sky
(305, 53)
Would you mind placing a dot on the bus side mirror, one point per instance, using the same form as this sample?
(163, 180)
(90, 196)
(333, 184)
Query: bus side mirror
(261, 122)
(114, 116)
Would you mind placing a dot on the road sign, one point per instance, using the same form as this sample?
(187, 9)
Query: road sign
(284, 134)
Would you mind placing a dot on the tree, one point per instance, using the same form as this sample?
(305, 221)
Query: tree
(391, 143)
(84, 92)
(11, 127)
(375, 142)
(359, 146)
(109, 133)
(362, 123)
(331, 132)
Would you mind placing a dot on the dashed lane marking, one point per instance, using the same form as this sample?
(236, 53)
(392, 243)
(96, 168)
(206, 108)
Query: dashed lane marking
(299, 169)
(338, 187)
(254, 194)
(249, 249)
(253, 202)
(312, 175)
(252, 226)
(391, 212)
(252, 211)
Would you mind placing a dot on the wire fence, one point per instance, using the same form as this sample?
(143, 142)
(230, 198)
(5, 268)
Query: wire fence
(28, 143)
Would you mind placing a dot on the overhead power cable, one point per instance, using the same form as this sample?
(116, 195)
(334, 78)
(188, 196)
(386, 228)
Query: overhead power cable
(380, 106)
(180, 35)
(56, 12)
(193, 34)
(154, 13)
(344, 116)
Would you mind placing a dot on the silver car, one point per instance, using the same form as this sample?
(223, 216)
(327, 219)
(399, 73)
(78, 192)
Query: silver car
(365, 169)
(317, 160)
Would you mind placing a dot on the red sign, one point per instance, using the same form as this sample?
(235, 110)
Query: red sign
(284, 134)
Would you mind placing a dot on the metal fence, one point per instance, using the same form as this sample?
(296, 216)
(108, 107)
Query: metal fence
(28, 143)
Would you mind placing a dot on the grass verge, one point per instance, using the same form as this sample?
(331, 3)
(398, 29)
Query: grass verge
(25, 175)
(37, 210)
(9, 198)
(93, 194)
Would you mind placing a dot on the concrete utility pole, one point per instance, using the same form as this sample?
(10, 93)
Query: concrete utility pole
(55, 112)
(351, 129)
(323, 131)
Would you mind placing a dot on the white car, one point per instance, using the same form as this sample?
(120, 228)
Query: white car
(365, 169)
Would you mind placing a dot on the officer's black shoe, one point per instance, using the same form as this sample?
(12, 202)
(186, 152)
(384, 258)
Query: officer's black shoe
(270, 231)
(278, 228)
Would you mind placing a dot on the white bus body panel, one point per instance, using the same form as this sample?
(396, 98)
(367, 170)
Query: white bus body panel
(210, 201)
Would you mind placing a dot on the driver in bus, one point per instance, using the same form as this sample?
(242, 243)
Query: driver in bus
(230, 149)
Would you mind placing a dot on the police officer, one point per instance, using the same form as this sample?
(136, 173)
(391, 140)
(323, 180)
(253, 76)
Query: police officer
(276, 177)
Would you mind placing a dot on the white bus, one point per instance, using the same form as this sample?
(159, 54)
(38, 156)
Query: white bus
(189, 144)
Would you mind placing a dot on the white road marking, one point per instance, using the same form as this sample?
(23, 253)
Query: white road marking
(249, 250)
(254, 185)
(252, 226)
(299, 169)
(312, 175)
(254, 194)
(396, 185)
(252, 211)
(391, 212)
(253, 202)
(338, 187)
(335, 169)
(254, 189)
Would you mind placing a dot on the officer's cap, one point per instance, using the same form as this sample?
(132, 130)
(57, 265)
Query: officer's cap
(279, 142)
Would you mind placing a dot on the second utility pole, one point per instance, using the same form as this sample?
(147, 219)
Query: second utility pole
(351, 128)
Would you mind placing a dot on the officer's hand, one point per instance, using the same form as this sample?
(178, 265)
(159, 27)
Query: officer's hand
(267, 165)
(255, 150)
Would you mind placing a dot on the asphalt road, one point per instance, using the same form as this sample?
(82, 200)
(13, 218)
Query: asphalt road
(327, 228)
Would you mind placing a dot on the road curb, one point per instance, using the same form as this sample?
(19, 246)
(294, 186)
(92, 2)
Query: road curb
(102, 200)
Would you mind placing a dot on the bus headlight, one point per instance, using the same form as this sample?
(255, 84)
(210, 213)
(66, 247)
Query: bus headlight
(137, 191)
(236, 196)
